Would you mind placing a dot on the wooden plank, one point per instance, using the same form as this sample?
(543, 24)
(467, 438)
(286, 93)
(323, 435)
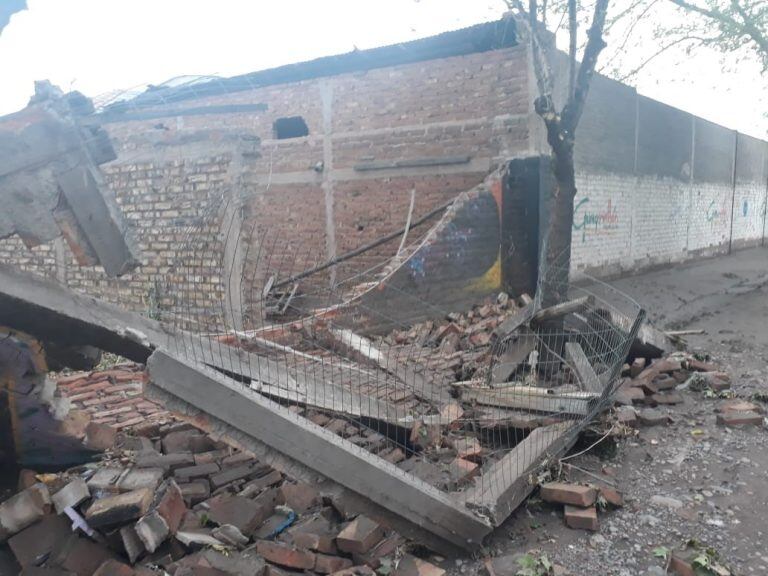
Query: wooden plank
(515, 354)
(559, 310)
(579, 363)
(530, 398)
(317, 448)
(501, 488)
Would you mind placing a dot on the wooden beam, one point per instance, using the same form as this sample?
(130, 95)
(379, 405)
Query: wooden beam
(578, 362)
(501, 488)
(559, 310)
(320, 449)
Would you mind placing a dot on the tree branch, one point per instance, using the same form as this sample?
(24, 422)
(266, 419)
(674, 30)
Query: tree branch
(572, 31)
(575, 107)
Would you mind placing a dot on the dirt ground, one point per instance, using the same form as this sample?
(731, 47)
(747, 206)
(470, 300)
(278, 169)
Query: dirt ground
(714, 480)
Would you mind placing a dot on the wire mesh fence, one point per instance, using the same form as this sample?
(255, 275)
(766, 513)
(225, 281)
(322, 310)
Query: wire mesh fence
(467, 402)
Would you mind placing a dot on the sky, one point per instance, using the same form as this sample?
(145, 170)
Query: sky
(102, 46)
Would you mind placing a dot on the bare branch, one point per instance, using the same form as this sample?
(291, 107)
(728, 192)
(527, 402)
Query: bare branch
(658, 53)
(573, 32)
(575, 107)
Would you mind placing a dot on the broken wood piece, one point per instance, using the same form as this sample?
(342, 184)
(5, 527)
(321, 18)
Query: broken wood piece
(531, 398)
(559, 310)
(579, 363)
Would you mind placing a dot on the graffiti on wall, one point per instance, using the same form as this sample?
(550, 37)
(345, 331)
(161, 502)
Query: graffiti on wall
(594, 221)
(716, 211)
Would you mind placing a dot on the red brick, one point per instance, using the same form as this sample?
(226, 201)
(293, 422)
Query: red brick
(573, 494)
(114, 568)
(245, 514)
(359, 536)
(300, 497)
(733, 418)
(409, 565)
(100, 436)
(286, 555)
(171, 505)
(581, 518)
(325, 564)
(612, 496)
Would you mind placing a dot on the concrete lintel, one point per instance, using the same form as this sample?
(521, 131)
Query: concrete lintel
(318, 449)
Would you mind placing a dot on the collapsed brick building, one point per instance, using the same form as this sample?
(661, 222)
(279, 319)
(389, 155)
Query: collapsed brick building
(311, 160)
(415, 373)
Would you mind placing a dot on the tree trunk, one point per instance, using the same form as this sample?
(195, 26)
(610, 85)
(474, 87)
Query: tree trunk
(559, 224)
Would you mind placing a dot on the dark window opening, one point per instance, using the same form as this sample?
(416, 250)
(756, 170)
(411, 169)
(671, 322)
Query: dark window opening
(293, 127)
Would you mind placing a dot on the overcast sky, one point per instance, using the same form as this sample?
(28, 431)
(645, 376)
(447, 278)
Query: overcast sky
(98, 46)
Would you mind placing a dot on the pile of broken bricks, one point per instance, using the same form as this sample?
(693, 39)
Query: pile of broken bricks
(651, 387)
(581, 502)
(166, 498)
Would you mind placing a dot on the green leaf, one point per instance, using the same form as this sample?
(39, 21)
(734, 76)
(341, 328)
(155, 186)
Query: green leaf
(661, 552)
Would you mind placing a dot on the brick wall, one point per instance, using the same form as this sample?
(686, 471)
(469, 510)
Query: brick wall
(211, 195)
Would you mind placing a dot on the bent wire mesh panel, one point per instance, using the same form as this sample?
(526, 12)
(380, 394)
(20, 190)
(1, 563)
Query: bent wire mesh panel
(465, 395)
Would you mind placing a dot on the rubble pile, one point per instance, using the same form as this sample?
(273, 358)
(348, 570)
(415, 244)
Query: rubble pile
(165, 498)
(649, 387)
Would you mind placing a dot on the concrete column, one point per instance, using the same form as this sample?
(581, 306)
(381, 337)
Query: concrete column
(326, 95)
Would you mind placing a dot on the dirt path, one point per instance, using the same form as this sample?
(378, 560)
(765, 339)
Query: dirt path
(713, 480)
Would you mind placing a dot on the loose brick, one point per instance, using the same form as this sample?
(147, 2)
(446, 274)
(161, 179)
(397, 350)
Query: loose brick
(359, 536)
(612, 496)
(137, 478)
(573, 494)
(79, 555)
(169, 503)
(114, 510)
(198, 471)
(39, 539)
(411, 566)
(152, 529)
(71, 495)
(325, 564)
(733, 418)
(24, 509)
(243, 513)
(286, 555)
(581, 518)
(114, 568)
(300, 497)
